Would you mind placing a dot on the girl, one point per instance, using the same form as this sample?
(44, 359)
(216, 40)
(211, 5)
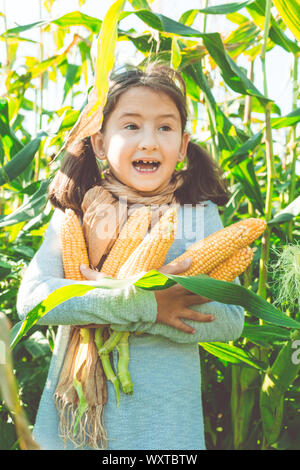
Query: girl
(144, 121)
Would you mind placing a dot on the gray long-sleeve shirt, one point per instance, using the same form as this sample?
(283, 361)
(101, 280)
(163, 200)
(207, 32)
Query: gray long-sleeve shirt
(165, 411)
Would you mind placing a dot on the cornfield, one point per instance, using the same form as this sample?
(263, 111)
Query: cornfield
(251, 387)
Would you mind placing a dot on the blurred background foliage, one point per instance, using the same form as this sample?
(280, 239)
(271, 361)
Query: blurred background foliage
(251, 388)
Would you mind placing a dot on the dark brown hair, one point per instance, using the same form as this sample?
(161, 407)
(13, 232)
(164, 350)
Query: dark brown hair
(79, 171)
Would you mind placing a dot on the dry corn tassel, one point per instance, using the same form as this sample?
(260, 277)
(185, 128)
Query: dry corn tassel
(130, 236)
(233, 266)
(152, 251)
(208, 253)
(79, 364)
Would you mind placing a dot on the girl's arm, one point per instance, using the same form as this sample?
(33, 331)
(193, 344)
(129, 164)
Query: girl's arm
(131, 308)
(227, 324)
(228, 319)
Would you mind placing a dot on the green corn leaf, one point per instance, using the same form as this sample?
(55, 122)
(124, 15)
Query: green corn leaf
(244, 150)
(76, 18)
(9, 142)
(288, 213)
(188, 17)
(30, 209)
(175, 54)
(265, 335)
(91, 117)
(54, 299)
(290, 119)
(237, 18)
(290, 13)
(257, 11)
(68, 119)
(21, 29)
(20, 161)
(39, 68)
(223, 127)
(231, 72)
(73, 76)
(283, 372)
(59, 296)
(225, 9)
(220, 291)
(140, 4)
(224, 292)
(258, 108)
(232, 354)
(5, 269)
(242, 38)
(105, 53)
(244, 172)
(233, 75)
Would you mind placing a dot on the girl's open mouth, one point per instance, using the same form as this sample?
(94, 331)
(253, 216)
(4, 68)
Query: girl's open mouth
(146, 167)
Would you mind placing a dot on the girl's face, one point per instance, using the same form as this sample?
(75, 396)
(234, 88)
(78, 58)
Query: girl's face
(144, 127)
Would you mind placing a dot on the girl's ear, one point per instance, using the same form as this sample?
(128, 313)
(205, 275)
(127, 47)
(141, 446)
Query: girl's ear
(97, 144)
(184, 144)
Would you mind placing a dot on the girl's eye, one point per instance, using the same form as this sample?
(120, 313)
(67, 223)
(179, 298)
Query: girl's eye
(131, 127)
(165, 128)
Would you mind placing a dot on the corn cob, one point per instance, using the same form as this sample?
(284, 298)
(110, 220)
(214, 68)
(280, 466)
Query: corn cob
(131, 235)
(74, 252)
(152, 251)
(217, 247)
(233, 266)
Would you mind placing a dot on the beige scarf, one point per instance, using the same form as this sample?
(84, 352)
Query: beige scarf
(80, 402)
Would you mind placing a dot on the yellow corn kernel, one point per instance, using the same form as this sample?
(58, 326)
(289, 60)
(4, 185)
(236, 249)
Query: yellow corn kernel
(152, 251)
(74, 252)
(130, 236)
(233, 266)
(206, 254)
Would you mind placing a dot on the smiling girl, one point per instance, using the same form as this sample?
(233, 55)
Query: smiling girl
(142, 139)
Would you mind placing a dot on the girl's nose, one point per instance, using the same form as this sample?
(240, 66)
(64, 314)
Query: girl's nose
(148, 143)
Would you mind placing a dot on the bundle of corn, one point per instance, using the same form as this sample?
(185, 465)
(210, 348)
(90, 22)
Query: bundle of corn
(218, 247)
(223, 255)
(130, 237)
(73, 247)
(233, 266)
(74, 253)
(152, 251)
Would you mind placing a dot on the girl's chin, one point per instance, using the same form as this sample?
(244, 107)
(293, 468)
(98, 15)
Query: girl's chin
(150, 186)
(144, 182)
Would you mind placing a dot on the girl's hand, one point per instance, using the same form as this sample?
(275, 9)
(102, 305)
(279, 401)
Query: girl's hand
(172, 303)
(91, 274)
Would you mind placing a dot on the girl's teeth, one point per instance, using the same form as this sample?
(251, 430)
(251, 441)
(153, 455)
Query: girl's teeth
(147, 171)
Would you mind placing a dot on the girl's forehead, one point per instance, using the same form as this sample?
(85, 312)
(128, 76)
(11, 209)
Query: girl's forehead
(145, 98)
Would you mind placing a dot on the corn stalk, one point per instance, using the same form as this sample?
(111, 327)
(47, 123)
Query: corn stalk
(39, 97)
(262, 287)
(9, 389)
(293, 145)
(242, 401)
(276, 382)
